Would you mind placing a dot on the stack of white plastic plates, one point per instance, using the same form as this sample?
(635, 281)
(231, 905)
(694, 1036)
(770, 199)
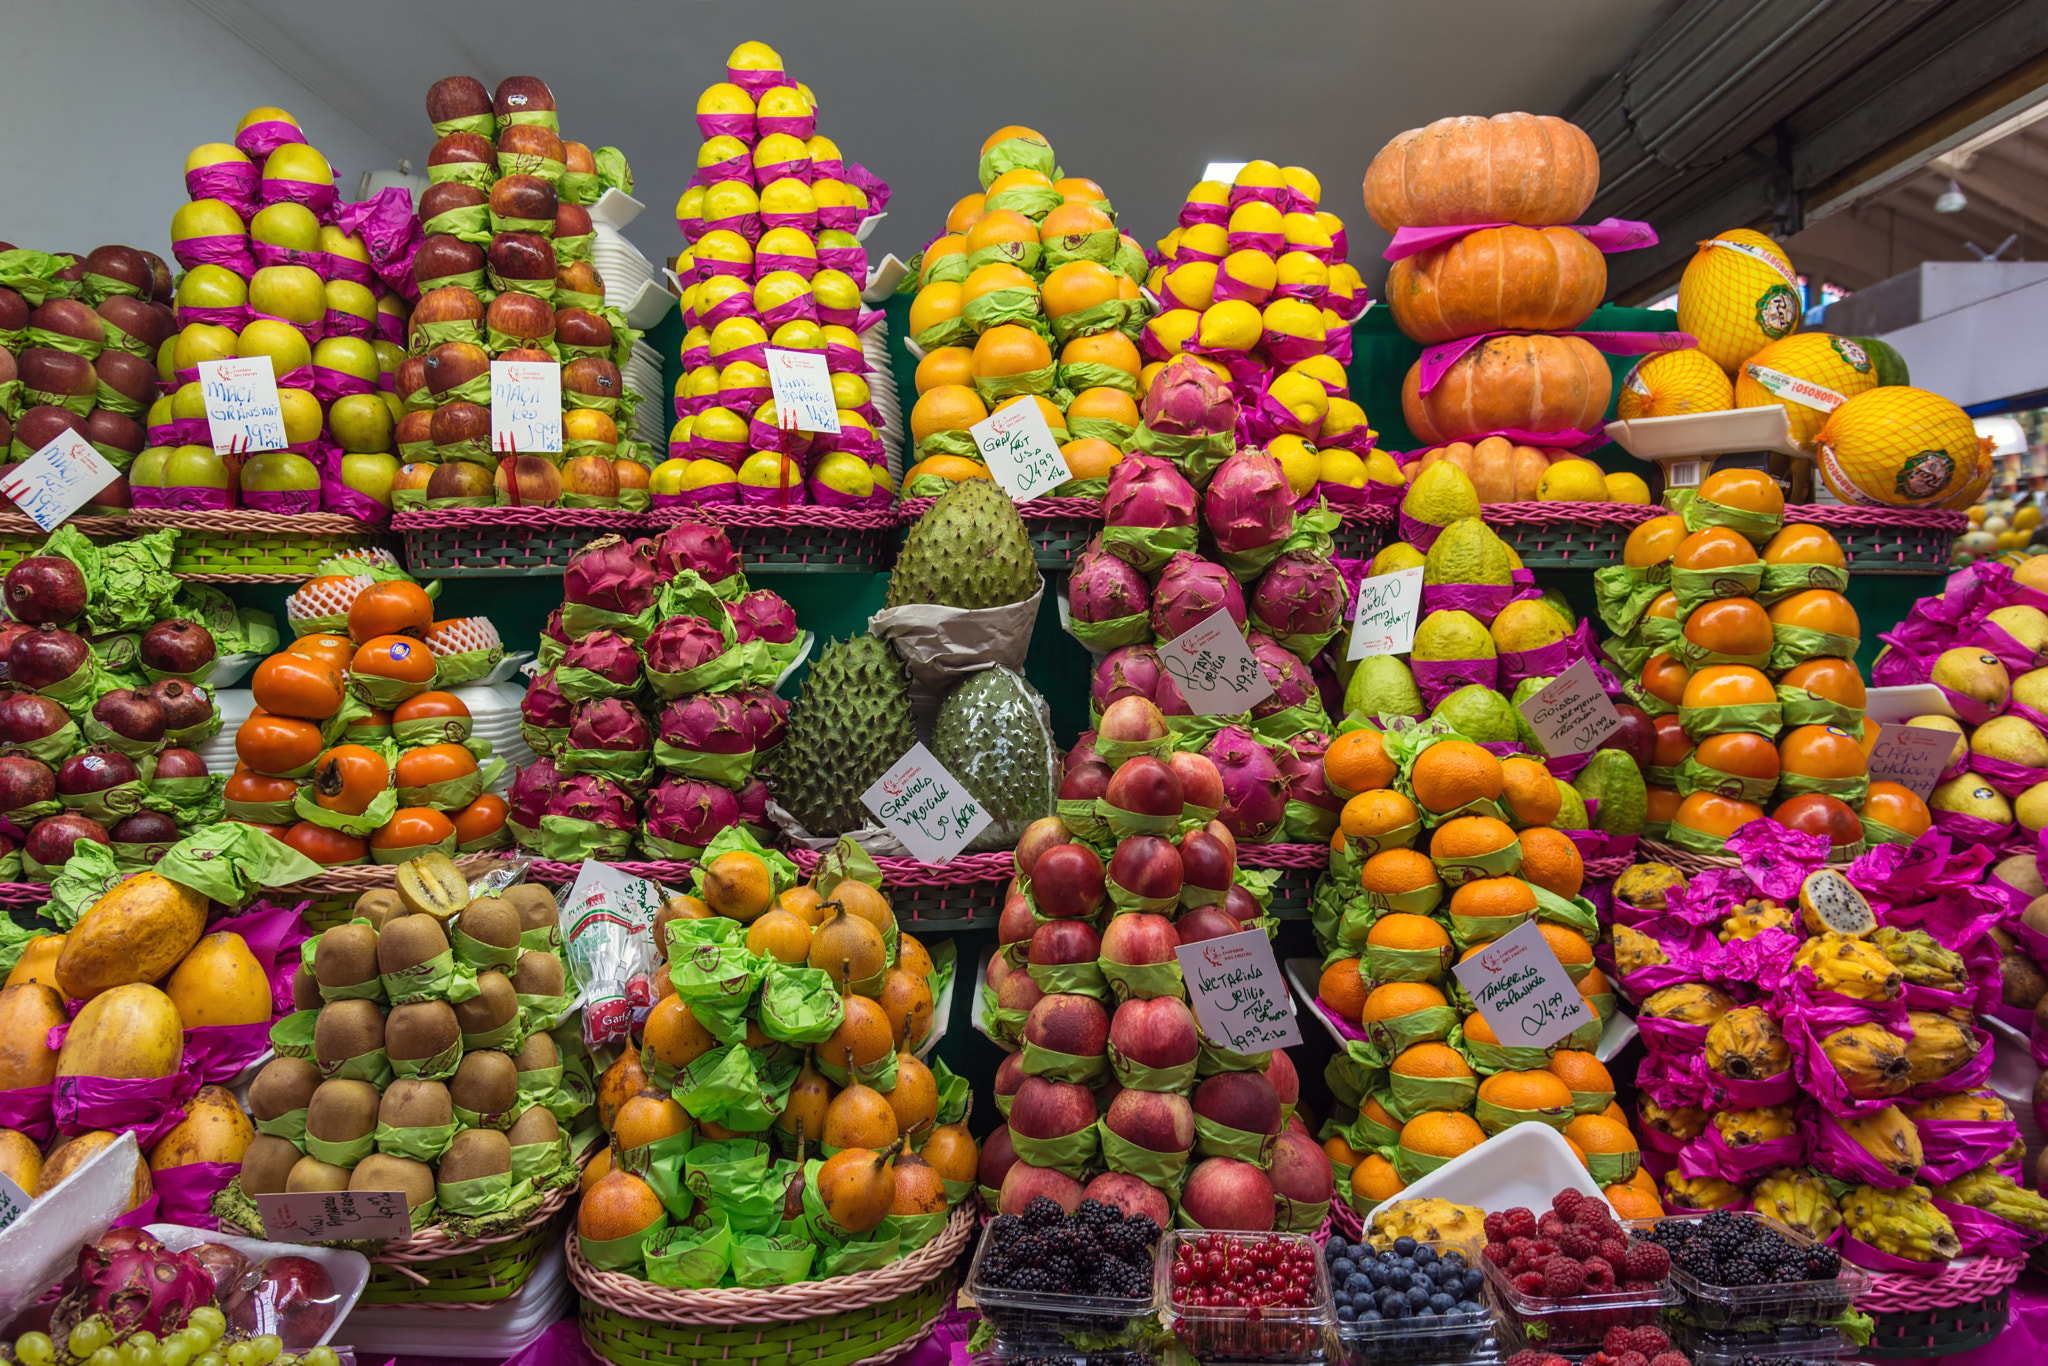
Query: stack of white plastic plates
(642, 372)
(874, 344)
(624, 269)
(494, 1330)
(493, 713)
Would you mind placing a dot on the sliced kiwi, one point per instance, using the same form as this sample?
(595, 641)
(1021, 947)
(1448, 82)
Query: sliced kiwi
(420, 1030)
(493, 1007)
(475, 1153)
(486, 1082)
(342, 1111)
(538, 974)
(284, 1085)
(536, 1124)
(346, 956)
(410, 1103)
(383, 1172)
(305, 988)
(491, 920)
(538, 1054)
(536, 906)
(381, 906)
(267, 1164)
(311, 1174)
(346, 1029)
(409, 941)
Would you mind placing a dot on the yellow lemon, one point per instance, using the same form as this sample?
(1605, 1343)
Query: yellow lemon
(1573, 481)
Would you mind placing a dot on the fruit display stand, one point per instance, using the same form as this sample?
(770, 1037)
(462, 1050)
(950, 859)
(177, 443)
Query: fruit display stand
(504, 542)
(1060, 527)
(1298, 865)
(1963, 1308)
(237, 546)
(21, 537)
(807, 538)
(938, 898)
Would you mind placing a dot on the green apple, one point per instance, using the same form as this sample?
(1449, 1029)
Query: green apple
(285, 224)
(195, 467)
(350, 355)
(293, 293)
(202, 341)
(146, 470)
(206, 218)
(273, 471)
(361, 423)
(394, 403)
(213, 154)
(300, 161)
(159, 412)
(395, 306)
(390, 355)
(283, 343)
(210, 286)
(166, 355)
(370, 473)
(302, 415)
(346, 296)
(335, 242)
(189, 401)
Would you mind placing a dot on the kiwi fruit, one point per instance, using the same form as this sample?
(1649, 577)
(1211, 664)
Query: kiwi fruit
(475, 1153)
(306, 989)
(409, 941)
(493, 1007)
(539, 974)
(346, 956)
(346, 1029)
(342, 1111)
(383, 1172)
(536, 1124)
(284, 1085)
(380, 906)
(2023, 982)
(410, 1103)
(311, 1174)
(486, 1082)
(491, 920)
(420, 1030)
(537, 1054)
(267, 1164)
(536, 906)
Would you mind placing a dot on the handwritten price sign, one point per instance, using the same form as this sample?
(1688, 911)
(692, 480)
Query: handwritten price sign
(58, 480)
(927, 808)
(802, 389)
(330, 1216)
(242, 409)
(526, 407)
(1522, 991)
(1239, 996)
(1020, 452)
(1217, 672)
(1383, 618)
(1912, 756)
(1571, 713)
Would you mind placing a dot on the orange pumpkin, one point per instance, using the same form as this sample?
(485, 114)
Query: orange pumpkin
(1501, 471)
(1536, 383)
(1524, 279)
(1511, 168)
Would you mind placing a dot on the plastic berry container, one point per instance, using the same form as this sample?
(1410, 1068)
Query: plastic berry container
(1100, 1325)
(1574, 1326)
(1719, 1349)
(1759, 1313)
(1304, 1334)
(1448, 1340)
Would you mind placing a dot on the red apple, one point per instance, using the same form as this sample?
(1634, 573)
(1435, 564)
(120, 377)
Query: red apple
(522, 256)
(132, 377)
(522, 316)
(538, 482)
(522, 196)
(580, 326)
(444, 256)
(579, 277)
(1066, 882)
(105, 427)
(572, 220)
(457, 97)
(448, 304)
(591, 476)
(137, 317)
(59, 372)
(522, 95)
(529, 146)
(592, 376)
(463, 421)
(69, 318)
(453, 363)
(37, 427)
(1157, 1033)
(436, 200)
(125, 264)
(463, 148)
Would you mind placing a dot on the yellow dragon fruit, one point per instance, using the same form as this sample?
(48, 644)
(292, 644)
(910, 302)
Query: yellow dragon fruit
(1992, 1191)
(1645, 884)
(1683, 1122)
(1923, 961)
(1850, 967)
(1888, 1136)
(1938, 1047)
(1982, 1106)
(1688, 1003)
(1746, 1128)
(1798, 1198)
(1904, 1223)
(1755, 916)
(1700, 1192)
(1747, 1044)
(1827, 901)
(1634, 950)
(1870, 1059)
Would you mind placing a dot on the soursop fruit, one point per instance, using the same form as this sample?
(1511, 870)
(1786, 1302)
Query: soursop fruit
(850, 724)
(970, 549)
(994, 733)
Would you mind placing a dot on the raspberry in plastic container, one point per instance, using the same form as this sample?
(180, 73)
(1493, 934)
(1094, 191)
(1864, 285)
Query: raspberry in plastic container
(608, 939)
(1247, 1297)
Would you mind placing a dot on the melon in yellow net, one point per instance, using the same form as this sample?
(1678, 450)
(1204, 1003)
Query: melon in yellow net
(1738, 295)
(1667, 383)
(1897, 446)
(1809, 374)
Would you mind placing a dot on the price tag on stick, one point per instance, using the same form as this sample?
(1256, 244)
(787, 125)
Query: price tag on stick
(1911, 756)
(1383, 617)
(1239, 997)
(526, 407)
(1217, 672)
(1571, 713)
(801, 386)
(243, 413)
(1020, 452)
(58, 480)
(1522, 990)
(927, 808)
(331, 1216)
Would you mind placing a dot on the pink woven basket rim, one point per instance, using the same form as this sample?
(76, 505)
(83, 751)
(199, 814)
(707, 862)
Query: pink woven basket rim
(236, 521)
(995, 866)
(1043, 509)
(1367, 516)
(750, 517)
(655, 870)
(1315, 857)
(1568, 514)
(1833, 514)
(1962, 1282)
(24, 893)
(459, 519)
(1611, 865)
(1346, 1220)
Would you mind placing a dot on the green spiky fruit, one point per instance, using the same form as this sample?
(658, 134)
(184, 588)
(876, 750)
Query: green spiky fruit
(970, 549)
(994, 733)
(850, 724)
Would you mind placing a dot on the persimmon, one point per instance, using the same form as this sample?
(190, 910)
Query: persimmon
(249, 786)
(481, 819)
(1714, 547)
(1834, 680)
(1728, 685)
(429, 706)
(348, 778)
(411, 827)
(277, 745)
(395, 657)
(276, 832)
(434, 764)
(297, 685)
(1730, 626)
(1664, 678)
(1741, 754)
(333, 650)
(394, 607)
(325, 847)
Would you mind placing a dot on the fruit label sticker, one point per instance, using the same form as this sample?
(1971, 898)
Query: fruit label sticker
(1911, 756)
(925, 807)
(1383, 617)
(1571, 713)
(1522, 991)
(59, 479)
(1239, 996)
(802, 389)
(1217, 672)
(243, 413)
(526, 407)
(1020, 452)
(325, 1216)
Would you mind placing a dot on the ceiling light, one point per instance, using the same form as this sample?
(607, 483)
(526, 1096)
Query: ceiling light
(1225, 171)
(1951, 200)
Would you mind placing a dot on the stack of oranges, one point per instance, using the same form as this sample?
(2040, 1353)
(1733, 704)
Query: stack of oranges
(773, 262)
(1030, 295)
(352, 754)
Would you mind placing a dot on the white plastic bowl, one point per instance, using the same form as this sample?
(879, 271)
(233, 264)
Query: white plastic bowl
(1525, 1165)
(350, 1271)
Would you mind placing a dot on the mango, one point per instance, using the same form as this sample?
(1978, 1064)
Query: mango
(28, 1012)
(38, 961)
(214, 1129)
(67, 1157)
(132, 1031)
(220, 983)
(20, 1160)
(137, 932)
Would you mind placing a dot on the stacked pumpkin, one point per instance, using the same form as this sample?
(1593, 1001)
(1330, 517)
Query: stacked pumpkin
(774, 217)
(505, 273)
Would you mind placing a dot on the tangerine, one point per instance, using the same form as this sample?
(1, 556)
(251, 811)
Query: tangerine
(1394, 871)
(1630, 1201)
(1392, 1000)
(1552, 862)
(1489, 897)
(1451, 773)
(1374, 813)
(1580, 1072)
(1373, 1176)
(1477, 1030)
(1526, 1091)
(1714, 547)
(1342, 989)
(1567, 943)
(1369, 1107)
(1429, 1060)
(1599, 1134)
(1399, 930)
(1357, 762)
(1822, 752)
(1470, 837)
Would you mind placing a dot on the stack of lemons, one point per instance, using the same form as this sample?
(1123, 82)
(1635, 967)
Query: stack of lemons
(774, 261)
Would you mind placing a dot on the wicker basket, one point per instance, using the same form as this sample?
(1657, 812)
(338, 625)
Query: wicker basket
(1299, 864)
(939, 898)
(21, 537)
(800, 540)
(1609, 866)
(1346, 1221)
(868, 1317)
(24, 893)
(1566, 535)
(352, 880)
(1888, 540)
(1060, 528)
(674, 872)
(256, 547)
(1684, 860)
(475, 543)
(1966, 1306)
(1363, 531)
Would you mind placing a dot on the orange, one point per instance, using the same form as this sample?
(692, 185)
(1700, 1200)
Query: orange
(946, 365)
(1613, 1110)
(1822, 752)
(952, 244)
(948, 408)
(1551, 861)
(1595, 983)
(1580, 1072)
(1599, 1134)
(1654, 542)
(1567, 943)
(1526, 1091)
(1010, 350)
(1106, 404)
(1469, 837)
(1429, 1060)
(1730, 626)
(1804, 543)
(1477, 1030)
(1073, 220)
(1716, 816)
(1441, 1133)
(1075, 187)
(1375, 1178)
(1077, 285)
(1816, 609)
(1010, 131)
(1740, 753)
(1487, 897)
(1113, 349)
(1021, 178)
(1342, 989)
(1897, 806)
(1665, 679)
(1473, 950)
(1715, 547)
(965, 213)
(1376, 812)
(994, 276)
(1727, 685)
(1630, 1201)
(1401, 931)
(949, 467)
(1452, 772)
(1004, 225)
(1528, 791)
(1090, 457)
(936, 303)
(1392, 871)
(1392, 1000)
(1054, 418)
(1833, 680)
(1357, 761)
(1341, 1153)
(1578, 1152)
(1748, 490)
(1370, 1108)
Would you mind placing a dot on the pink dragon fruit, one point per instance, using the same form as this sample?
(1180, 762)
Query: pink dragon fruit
(763, 615)
(1129, 671)
(544, 706)
(610, 723)
(1189, 589)
(1249, 504)
(136, 1284)
(1104, 588)
(532, 788)
(753, 800)
(1145, 491)
(689, 810)
(1301, 764)
(1302, 594)
(1254, 792)
(708, 724)
(1169, 698)
(607, 654)
(612, 574)
(767, 717)
(555, 631)
(682, 643)
(1291, 680)
(1187, 398)
(1324, 670)
(588, 797)
(693, 545)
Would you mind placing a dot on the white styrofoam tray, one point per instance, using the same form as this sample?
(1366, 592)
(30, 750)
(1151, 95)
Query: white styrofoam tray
(1768, 428)
(350, 1271)
(615, 209)
(1304, 973)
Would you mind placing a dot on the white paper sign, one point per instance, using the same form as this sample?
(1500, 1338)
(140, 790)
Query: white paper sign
(242, 409)
(1571, 713)
(802, 388)
(1522, 991)
(1239, 996)
(927, 808)
(1019, 450)
(1217, 672)
(1383, 617)
(329, 1216)
(526, 406)
(14, 1201)
(1911, 756)
(58, 480)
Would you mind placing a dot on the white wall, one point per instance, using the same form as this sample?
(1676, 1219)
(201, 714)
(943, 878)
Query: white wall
(1993, 348)
(101, 100)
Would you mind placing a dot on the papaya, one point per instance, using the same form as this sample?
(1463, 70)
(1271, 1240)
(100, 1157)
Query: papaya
(132, 1031)
(137, 932)
(21, 1161)
(214, 1129)
(28, 1012)
(38, 961)
(220, 983)
(68, 1156)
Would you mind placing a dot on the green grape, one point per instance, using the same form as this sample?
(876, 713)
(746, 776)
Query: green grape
(267, 1346)
(243, 1354)
(142, 1338)
(195, 1338)
(211, 1321)
(133, 1353)
(176, 1350)
(105, 1356)
(321, 1356)
(209, 1359)
(88, 1337)
(35, 1349)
